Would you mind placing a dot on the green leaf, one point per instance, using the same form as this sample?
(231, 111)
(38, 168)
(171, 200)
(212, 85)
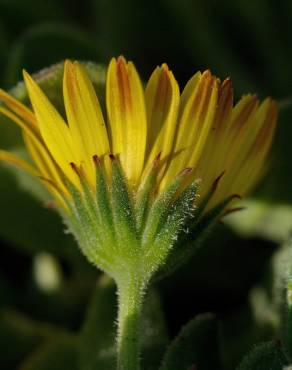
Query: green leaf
(195, 347)
(266, 356)
(58, 354)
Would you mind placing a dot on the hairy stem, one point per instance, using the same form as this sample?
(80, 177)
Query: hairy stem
(131, 292)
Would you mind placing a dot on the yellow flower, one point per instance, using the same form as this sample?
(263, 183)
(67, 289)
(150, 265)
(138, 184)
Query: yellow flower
(125, 181)
(199, 128)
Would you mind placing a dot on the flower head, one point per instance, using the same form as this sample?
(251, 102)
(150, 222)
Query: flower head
(151, 144)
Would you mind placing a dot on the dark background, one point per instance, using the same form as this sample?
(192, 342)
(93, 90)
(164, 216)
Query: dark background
(250, 41)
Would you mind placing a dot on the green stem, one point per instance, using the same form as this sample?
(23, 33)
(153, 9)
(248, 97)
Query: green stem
(131, 292)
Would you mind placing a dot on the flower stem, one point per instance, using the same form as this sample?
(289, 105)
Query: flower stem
(131, 293)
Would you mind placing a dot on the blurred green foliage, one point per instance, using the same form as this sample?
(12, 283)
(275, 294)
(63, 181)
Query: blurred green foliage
(72, 324)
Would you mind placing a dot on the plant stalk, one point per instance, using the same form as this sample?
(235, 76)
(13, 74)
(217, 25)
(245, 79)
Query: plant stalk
(131, 292)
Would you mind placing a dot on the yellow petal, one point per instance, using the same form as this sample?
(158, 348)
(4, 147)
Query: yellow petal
(54, 130)
(224, 108)
(45, 163)
(127, 116)
(189, 89)
(211, 161)
(20, 109)
(269, 116)
(242, 113)
(247, 147)
(31, 135)
(18, 162)
(84, 116)
(252, 164)
(24, 125)
(231, 141)
(196, 121)
(240, 134)
(162, 102)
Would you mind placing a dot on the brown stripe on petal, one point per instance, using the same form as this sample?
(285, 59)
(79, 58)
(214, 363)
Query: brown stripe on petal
(163, 91)
(200, 102)
(225, 103)
(124, 86)
(70, 78)
(245, 112)
(211, 84)
(266, 133)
